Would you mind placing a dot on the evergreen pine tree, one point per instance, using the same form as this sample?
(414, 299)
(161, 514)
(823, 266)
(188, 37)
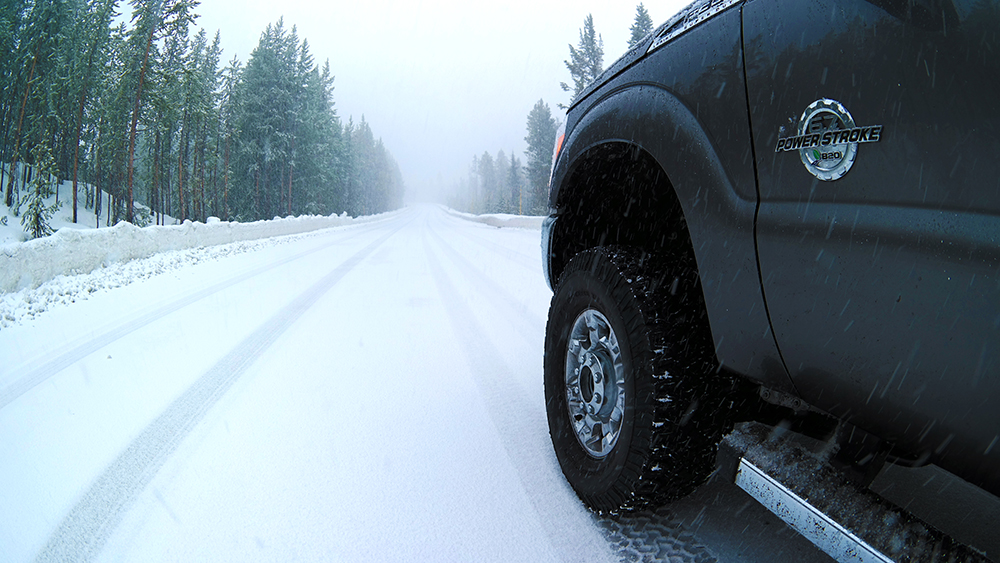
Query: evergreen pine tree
(541, 140)
(93, 29)
(35, 78)
(642, 26)
(514, 182)
(487, 182)
(111, 117)
(502, 198)
(152, 18)
(586, 60)
(12, 19)
(37, 215)
(229, 110)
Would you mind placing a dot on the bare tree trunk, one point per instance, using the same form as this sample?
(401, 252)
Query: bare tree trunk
(97, 186)
(202, 215)
(180, 183)
(204, 196)
(9, 199)
(76, 150)
(154, 197)
(215, 181)
(290, 169)
(291, 166)
(225, 197)
(281, 189)
(135, 121)
(197, 203)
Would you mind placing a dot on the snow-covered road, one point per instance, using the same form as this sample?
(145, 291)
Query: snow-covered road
(364, 393)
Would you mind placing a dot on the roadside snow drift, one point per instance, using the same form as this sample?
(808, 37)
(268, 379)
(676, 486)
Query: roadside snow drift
(29, 264)
(500, 220)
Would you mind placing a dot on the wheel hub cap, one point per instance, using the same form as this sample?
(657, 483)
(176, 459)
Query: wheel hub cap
(595, 383)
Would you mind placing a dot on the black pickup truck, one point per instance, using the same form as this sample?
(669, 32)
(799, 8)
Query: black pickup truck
(779, 205)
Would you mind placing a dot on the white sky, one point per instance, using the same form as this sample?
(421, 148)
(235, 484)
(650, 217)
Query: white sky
(438, 81)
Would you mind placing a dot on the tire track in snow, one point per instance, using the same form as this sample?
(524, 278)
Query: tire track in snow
(89, 524)
(523, 433)
(37, 376)
(528, 321)
(512, 255)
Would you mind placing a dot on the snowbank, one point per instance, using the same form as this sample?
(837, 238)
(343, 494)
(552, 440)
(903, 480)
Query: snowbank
(501, 219)
(73, 251)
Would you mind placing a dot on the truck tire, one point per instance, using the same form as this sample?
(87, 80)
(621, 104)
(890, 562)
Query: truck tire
(634, 399)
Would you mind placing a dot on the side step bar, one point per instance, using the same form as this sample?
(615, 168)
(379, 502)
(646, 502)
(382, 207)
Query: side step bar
(849, 524)
(837, 541)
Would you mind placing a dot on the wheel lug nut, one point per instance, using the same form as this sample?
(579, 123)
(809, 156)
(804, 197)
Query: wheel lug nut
(597, 398)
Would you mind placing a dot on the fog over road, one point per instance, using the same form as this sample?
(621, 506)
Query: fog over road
(363, 393)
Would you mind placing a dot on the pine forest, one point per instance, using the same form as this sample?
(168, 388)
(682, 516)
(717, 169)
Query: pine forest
(150, 113)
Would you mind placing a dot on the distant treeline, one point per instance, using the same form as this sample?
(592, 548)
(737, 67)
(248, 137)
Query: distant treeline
(500, 184)
(146, 113)
(495, 185)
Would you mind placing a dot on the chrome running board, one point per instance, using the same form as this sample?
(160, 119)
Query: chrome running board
(847, 522)
(835, 540)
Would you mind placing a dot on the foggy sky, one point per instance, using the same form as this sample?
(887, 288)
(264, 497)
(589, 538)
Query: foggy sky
(438, 81)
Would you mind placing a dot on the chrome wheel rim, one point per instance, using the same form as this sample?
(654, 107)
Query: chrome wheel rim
(595, 383)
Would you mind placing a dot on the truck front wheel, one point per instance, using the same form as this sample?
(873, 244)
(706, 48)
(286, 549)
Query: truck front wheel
(633, 396)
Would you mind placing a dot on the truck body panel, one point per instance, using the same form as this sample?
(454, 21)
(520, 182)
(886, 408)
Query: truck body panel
(883, 285)
(862, 276)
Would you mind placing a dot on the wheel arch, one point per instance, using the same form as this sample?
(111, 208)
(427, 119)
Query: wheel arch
(616, 194)
(662, 166)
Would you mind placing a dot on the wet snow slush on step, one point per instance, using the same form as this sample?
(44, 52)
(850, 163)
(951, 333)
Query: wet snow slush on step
(849, 523)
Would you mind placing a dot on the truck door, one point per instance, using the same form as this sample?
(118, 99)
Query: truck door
(876, 134)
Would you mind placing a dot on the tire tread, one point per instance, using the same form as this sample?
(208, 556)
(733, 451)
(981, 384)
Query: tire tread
(676, 430)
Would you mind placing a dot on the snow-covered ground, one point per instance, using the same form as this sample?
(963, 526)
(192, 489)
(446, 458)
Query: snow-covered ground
(328, 397)
(12, 231)
(74, 249)
(501, 219)
(369, 392)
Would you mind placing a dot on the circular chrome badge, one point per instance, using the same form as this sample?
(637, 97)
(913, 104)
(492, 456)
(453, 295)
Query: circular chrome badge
(828, 119)
(827, 139)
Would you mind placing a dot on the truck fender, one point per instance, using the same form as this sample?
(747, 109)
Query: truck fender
(720, 222)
